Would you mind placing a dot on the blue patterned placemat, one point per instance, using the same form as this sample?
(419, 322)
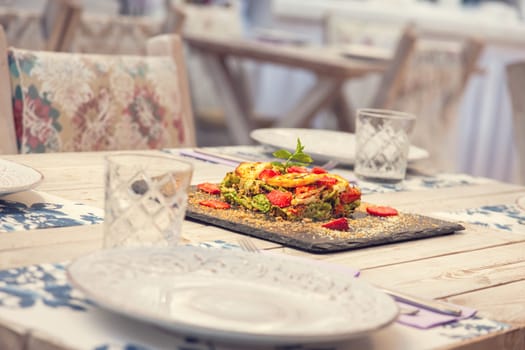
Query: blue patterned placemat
(419, 183)
(500, 217)
(35, 210)
(39, 298)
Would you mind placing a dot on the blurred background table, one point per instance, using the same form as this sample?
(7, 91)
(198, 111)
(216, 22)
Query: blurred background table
(484, 134)
(330, 69)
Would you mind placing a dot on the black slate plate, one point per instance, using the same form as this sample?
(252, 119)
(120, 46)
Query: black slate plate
(365, 230)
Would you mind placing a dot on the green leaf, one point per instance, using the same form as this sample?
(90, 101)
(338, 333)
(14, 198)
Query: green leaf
(303, 158)
(282, 154)
(299, 148)
(297, 156)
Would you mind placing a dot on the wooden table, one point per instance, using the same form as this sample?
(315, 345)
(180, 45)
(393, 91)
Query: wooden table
(331, 69)
(479, 267)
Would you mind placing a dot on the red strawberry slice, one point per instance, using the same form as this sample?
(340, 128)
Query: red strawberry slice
(209, 188)
(340, 224)
(327, 181)
(215, 203)
(268, 173)
(350, 195)
(318, 170)
(381, 211)
(279, 198)
(296, 169)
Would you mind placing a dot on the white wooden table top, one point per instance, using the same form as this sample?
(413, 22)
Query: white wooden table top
(477, 267)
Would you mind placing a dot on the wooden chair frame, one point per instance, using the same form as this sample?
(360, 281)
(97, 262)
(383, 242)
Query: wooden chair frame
(56, 23)
(7, 123)
(393, 83)
(172, 24)
(393, 78)
(60, 19)
(516, 86)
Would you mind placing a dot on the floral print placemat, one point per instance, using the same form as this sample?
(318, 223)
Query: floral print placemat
(34, 210)
(39, 298)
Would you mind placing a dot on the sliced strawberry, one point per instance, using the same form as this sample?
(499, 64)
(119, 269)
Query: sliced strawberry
(350, 195)
(381, 211)
(267, 173)
(302, 191)
(327, 181)
(318, 170)
(279, 198)
(215, 203)
(340, 224)
(296, 169)
(209, 188)
(339, 209)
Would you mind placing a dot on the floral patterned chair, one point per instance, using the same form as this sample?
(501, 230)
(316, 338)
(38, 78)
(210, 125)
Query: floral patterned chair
(86, 102)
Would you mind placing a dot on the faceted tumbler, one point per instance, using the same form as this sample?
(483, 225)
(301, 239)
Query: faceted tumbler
(382, 144)
(145, 199)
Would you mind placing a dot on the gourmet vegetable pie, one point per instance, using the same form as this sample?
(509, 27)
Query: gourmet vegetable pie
(291, 192)
(287, 189)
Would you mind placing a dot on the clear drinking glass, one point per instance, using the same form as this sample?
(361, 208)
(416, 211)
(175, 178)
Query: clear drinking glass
(145, 199)
(382, 144)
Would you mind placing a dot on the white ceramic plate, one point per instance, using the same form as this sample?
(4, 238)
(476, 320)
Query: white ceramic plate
(320, 144)
(231, 295)
(16, 177)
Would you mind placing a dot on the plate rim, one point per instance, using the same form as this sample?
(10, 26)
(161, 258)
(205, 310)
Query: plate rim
(324, 157)
(6, 190)
(225, 335)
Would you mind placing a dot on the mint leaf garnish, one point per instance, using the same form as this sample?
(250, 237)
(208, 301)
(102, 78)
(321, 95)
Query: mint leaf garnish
(298, 157)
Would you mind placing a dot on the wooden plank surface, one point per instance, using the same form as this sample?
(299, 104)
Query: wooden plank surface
(453, 274)
(479, 267)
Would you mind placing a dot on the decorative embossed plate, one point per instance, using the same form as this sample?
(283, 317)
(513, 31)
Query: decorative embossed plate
(335, 145)
(232, 295)
(16, 177)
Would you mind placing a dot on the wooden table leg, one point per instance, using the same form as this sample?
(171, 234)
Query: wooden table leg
(237, 118)
(324, 93)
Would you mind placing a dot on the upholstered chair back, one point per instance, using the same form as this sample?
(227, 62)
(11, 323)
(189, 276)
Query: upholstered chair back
(82, 102)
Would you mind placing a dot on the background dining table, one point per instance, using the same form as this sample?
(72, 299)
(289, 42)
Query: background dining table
(330, 69)
(481, 267)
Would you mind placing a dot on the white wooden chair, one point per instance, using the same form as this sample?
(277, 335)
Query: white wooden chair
(516, 86)
(114, 34)
(34, 29)
(429, 81)
(427, 76)
(121, 34)
(55, 101)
